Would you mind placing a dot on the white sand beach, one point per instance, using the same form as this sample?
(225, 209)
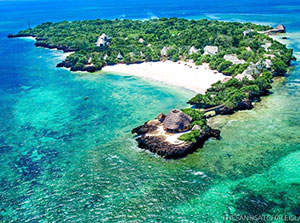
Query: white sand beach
(182, 74)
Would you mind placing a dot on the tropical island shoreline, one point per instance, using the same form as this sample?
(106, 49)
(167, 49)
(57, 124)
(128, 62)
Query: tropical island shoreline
(197, 78)
(231, 73)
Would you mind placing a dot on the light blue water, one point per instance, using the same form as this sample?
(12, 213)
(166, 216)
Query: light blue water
(66, 159)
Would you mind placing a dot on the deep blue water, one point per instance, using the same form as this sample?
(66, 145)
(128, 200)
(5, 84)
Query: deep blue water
(66, 159)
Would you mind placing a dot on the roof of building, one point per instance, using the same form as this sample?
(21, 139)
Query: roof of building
(211, 50)
(177, 120)
(234, 59)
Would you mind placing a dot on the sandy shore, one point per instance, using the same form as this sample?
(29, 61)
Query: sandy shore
(183, 74)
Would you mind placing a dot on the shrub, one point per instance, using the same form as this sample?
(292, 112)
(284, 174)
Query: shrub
(190, 136)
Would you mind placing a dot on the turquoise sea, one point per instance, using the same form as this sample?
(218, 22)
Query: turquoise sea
(64, 159)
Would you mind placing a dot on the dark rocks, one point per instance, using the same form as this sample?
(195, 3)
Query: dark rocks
(243, 105)
(67, 64)
(143, 129)
(89, 69)
(46, 45)
(279, 29)
(161, 117)
(19, 35)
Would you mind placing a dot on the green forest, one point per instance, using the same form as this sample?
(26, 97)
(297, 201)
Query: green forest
(138, 41)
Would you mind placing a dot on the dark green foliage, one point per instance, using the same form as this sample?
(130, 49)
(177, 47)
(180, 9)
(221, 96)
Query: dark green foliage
(279, 67)
(177, 34)
(197, 116)
(236, 69)
(190, 136)
(201, 123)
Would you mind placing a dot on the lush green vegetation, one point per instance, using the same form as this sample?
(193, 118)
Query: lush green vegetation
(139, 41)
(233, 92)
(190, 136)
(197, 116)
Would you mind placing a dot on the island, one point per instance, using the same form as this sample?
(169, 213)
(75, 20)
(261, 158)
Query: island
(229, 65)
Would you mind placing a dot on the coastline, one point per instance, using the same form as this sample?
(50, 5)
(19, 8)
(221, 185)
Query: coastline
(195, 78)
(230, 93)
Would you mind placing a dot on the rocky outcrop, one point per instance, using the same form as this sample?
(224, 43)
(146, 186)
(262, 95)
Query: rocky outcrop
(46, 45)
(148, 140)
(279, 29)
(158, 144)
(86, 68)
(20, 35)
(243, 105)
(67, 64)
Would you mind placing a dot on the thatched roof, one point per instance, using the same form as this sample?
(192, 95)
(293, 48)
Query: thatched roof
(102, 40)
(247, 32)
(266, 46)
(193, 50)
(234, 59)
(119, 57)
(164, 51)
(268, 64)
(252, 70)
(176, 120)
(211, 50)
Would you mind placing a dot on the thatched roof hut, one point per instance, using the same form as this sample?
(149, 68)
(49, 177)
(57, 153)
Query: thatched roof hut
(211, 50)
(164, 51)
(177, 121)
(193, 50)
(119, 57)
(103, 40)
(142, 55)
(233, 59)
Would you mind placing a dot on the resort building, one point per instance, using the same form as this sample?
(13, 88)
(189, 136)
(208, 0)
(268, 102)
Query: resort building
(193, 50)
(211, 50)
(119, 57)
(234, 59)
(177, 121)
(103, 40)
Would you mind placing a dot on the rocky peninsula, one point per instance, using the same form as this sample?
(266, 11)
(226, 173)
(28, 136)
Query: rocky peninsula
(163, 135)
